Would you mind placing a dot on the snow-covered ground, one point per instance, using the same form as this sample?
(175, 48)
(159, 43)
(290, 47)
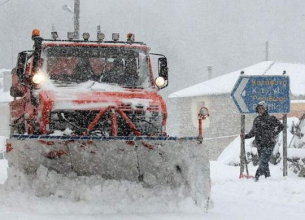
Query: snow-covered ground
(234, 198)
(92, 198)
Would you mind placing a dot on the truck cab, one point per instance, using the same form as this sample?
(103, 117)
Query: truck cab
(103, 88)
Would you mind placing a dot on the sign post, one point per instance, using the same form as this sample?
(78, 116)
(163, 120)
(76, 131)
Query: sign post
(243, 157)
(274, 90)
(285, 146)
(285, 153)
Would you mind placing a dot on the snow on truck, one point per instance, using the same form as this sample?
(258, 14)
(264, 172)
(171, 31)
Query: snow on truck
(92, 108)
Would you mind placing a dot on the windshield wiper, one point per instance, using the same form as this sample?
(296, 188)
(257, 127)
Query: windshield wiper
(92, 84)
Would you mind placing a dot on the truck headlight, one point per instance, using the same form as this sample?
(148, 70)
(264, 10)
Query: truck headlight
(38, 78)
(86, 36)
(160, 82)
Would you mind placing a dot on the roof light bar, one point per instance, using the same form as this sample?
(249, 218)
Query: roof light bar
(115, 36)
(130, 37)
(54, 35)
(35, 33)
(70, 35)
(100, 36)
(86, 36)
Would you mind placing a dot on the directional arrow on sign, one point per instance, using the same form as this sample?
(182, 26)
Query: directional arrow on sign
(238, 95)
(250, 90)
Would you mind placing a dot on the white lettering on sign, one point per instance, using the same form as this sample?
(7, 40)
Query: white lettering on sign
(269, 82)
(271, 107)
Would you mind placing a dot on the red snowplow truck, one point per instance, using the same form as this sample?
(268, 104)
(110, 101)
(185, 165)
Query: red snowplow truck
(92, 108)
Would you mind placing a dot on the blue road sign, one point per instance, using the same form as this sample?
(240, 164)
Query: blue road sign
(250, 90)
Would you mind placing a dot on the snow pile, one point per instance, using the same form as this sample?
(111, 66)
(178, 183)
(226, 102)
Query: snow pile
(67, 131)
(67, 96)
(231, 154)
(272, 198)
(89, 195)
(89, 85)
(171, 179)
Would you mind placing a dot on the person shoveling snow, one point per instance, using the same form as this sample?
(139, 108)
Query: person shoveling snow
(265, 129)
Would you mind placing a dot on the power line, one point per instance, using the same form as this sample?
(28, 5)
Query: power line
(4, 2)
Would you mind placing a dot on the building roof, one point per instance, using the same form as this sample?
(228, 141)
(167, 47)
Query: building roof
(225, 83)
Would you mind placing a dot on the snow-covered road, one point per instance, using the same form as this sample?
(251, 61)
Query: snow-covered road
(273, 198)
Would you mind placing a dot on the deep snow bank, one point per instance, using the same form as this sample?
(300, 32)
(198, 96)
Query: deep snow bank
(89, 195)
(272, 198)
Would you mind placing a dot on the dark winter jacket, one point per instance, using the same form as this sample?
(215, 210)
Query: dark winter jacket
(265, 129)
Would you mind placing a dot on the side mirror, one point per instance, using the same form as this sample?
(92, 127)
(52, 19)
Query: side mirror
(163, 69)
(21, 65)
(162, 80)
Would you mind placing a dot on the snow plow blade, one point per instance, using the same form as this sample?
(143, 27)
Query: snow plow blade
(181, 163)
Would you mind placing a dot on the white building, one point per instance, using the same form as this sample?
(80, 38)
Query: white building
(224, 122)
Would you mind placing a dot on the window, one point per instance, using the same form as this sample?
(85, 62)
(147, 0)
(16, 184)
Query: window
(123, 66)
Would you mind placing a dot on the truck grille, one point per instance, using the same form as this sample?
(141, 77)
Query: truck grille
(148, 123)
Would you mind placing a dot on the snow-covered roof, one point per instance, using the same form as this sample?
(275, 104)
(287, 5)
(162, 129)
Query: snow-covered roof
(225, 83)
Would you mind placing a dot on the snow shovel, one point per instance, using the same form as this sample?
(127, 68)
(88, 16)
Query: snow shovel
(243, 158)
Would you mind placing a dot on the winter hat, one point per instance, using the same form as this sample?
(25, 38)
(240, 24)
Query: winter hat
(262, 104)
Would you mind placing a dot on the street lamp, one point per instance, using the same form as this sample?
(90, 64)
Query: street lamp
(67, 8)
(76, 16)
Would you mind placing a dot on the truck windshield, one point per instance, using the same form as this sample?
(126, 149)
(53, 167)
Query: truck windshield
(122, 66)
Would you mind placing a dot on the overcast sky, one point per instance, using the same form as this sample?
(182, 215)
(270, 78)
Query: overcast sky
(229, 35)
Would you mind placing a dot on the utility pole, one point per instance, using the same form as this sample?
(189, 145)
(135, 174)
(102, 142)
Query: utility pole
(285, 172)
(76, 18)
(267, 51)
(210, 72)
(12, 44)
